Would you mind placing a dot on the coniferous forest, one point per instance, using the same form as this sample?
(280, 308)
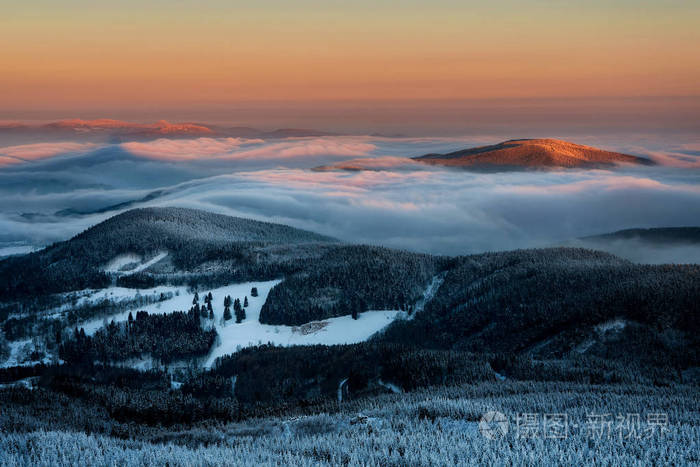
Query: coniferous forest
(542, 331)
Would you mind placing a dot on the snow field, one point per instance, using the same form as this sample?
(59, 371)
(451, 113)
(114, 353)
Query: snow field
(235, 336)
(117, 265)
(181, 300)
(340, 330)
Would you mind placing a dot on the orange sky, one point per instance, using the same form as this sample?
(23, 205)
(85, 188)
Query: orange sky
(76, 54)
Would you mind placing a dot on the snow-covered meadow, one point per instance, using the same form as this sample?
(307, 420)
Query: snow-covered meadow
(132, 263)
(340, 330)
(20, 354)
(178, 298)
(235, 336)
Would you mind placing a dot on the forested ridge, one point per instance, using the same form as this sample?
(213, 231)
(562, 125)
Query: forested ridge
(324, 278)
(191, 237)
(510, 301)
(351, 278)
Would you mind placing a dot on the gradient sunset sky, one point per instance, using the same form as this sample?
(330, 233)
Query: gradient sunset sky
(76, 56)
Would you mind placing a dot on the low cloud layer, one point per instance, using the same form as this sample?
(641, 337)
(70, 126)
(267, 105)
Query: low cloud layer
(404, 206)
(247, 149)
(186, 149)
(31, 152)
(452, 212)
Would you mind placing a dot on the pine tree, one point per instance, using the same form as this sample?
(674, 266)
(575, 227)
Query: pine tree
(196, 299)
(254, 292)
(227, 313)
(240, 315)
(355, 308)
(211, 314)
(238, 309)
(245, 301)
(209, 297)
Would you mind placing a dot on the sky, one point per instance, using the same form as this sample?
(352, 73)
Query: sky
(239, 61)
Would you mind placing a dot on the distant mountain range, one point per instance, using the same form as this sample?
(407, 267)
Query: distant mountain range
(118, 130)
(662, 245)
(661, 235)
(532, 154)
(160, 128)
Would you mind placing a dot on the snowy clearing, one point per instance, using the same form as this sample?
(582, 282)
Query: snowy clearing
(27, 383)
(116, 295)
(390, 386)
(119, 264)
(614, 325)
(332, 331)
(584, 346)
(250, 332)
(429, 293)
(180, 300)
(232, 336)
(20, 354)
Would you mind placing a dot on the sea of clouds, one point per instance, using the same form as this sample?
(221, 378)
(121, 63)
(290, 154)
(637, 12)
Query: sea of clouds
(51, 191)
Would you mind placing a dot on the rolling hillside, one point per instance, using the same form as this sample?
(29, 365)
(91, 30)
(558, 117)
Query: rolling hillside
(189, 237)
